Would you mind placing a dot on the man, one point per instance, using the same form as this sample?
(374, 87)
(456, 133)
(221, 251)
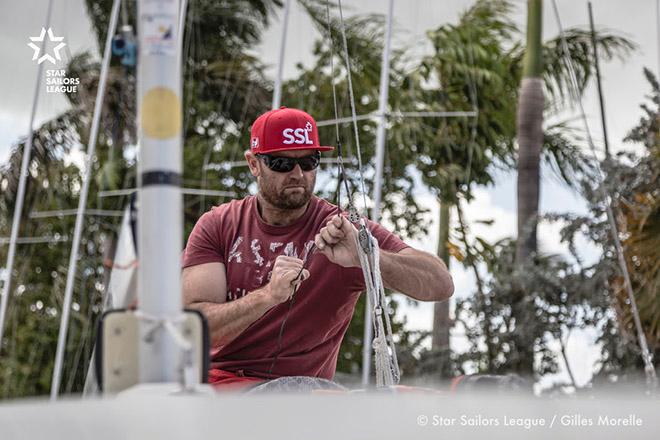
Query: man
(246, 260)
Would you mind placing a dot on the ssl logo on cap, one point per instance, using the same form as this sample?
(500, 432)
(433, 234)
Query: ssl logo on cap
(301, 135)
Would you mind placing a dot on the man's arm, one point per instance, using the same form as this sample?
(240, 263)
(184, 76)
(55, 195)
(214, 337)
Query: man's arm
(418, 274)
(205, 289)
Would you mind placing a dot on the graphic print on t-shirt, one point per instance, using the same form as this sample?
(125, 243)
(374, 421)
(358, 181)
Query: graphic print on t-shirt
(258, 260)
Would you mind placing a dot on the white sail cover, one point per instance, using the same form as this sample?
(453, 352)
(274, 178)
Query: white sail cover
(122, 285)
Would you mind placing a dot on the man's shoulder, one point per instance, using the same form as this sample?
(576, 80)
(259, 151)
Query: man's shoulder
(233, 208)
(235, 205)
(324, 207)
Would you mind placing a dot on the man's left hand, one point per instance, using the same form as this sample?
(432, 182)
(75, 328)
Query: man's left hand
(337, 240)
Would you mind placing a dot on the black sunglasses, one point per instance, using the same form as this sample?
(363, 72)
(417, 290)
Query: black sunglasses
(282, 164)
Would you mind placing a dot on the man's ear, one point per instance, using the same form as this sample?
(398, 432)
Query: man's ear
(253, 163)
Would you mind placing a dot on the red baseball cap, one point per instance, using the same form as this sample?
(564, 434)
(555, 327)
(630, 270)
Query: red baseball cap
(285, 129)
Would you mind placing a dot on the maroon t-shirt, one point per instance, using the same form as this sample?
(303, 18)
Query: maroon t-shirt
(234, 234)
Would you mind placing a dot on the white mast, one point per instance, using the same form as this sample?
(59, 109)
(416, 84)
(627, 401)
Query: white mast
(20, 195)
(277, 91)
(82, 201)
(380, 156)
(160, 218)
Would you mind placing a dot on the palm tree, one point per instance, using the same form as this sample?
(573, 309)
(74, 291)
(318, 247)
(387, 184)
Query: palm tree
(478, 63)
(554, 76)
(472, 69)
(530, 139)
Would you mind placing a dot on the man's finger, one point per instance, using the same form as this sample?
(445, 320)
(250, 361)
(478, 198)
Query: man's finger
(319, 242)
(335, 231)
(328, 238)
(288, 263)
(294, 262)
(284, 258)
(284, 268)
(290, 275)
(300, 277)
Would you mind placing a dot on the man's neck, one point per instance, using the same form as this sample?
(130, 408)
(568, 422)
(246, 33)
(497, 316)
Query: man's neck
(276, 216)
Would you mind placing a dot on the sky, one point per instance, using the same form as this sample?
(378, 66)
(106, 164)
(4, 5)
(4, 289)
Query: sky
(623, 83)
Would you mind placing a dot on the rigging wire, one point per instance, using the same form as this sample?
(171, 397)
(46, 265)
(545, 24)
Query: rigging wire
(229, 97)
(20, 194)
(472, 89)
(353, 112)
(387, 368)
(657, 27)
(341, 173)
(371, 326)
(82, 201)
(649, 370)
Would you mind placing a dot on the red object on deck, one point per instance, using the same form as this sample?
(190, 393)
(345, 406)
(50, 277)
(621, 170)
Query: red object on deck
(231, 381)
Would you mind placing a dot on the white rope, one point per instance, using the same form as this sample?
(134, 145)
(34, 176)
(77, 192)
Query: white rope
(187, 378)
(646, 355)
(82, 201)
(387, 368)
(20, 194)
(387, 365)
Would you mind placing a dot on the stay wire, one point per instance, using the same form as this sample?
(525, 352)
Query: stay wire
(353, 112)
(6, 277)
(341, 173)
(472, 89)
(646, 355)
(368, 252)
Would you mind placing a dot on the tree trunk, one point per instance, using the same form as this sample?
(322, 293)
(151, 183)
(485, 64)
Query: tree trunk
(441, 321)
(530, 136)
(530, 140)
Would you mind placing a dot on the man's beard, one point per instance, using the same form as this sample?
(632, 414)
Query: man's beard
(285, 199)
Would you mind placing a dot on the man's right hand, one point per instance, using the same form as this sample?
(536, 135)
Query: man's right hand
(283, 283)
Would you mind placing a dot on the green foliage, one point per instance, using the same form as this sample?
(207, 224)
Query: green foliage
(469, 70)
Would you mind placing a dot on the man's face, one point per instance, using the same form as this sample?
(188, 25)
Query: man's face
(290, 190)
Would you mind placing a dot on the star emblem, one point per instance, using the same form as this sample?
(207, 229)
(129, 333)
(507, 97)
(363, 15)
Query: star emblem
(46, 56)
